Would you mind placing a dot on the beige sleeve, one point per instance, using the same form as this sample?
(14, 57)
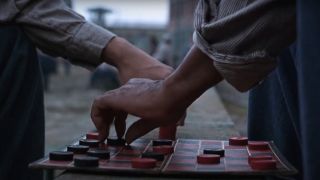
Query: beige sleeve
(244, 37)
(58, 30)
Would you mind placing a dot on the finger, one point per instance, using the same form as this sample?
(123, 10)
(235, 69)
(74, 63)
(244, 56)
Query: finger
(103, 124)
(108, 118)
(102, 119)
(182, 119)
(109, 100)
(120, 124)
(140, 128)
(168, 132)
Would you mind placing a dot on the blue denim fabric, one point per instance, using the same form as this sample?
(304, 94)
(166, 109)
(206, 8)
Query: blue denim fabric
(273, 112)
(285, 107)
(308, 68)
(21, 106)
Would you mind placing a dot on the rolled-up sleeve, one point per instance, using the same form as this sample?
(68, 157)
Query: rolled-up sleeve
(58, 30)
(244, 37)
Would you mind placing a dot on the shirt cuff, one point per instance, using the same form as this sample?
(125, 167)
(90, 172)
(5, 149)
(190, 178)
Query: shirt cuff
(91, 39)
(242, 72)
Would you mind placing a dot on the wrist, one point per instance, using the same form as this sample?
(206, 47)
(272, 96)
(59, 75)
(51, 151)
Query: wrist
(179, 90)
(192, 78)
(113, 52)
(132, 62)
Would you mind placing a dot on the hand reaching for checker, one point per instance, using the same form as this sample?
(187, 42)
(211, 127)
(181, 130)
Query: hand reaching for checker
(134, 63)
(157, 103)
(143, 98)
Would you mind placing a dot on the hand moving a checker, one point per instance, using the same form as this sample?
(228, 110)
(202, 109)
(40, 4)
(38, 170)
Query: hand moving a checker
(133, 64)
(156, 102)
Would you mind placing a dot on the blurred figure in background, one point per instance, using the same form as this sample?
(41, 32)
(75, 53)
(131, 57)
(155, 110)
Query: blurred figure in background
(104, 78)
(153, 44)
(163, 52)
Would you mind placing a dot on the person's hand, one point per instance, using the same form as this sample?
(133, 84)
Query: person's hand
(157, 103)
(147, 99)
(132, 62)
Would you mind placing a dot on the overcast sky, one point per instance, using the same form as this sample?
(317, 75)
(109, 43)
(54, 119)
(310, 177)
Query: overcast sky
(151, 12)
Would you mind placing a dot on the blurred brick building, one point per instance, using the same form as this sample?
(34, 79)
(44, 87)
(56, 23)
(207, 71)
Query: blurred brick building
(181, 27)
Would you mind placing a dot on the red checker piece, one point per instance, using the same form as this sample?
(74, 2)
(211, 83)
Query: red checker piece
(102, 145)
(165, 149)
(143, 163)
(258, 158)
(258, 145)
(92, 135)
(168, 132)
(263, 164)
(238, 141)
(208, 159)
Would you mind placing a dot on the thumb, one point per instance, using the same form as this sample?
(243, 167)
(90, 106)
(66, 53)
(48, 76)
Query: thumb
(139, 128)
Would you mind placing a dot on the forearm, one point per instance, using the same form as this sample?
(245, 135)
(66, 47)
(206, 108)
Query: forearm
(192, 78)
(82, 42)
(119, 53)
(132, 62)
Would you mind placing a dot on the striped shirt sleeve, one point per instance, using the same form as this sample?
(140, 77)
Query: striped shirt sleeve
(244, 37)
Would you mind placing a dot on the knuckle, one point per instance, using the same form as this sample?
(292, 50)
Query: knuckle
(133, 80)
(96, 99)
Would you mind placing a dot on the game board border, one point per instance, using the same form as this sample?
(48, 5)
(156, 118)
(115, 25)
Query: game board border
(281, 157)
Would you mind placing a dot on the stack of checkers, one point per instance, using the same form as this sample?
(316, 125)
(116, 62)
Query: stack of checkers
(163, 146)
(261, 162)
(210, 156)
(160, 149)
(257, 162)
(258, 145)
(92, 135)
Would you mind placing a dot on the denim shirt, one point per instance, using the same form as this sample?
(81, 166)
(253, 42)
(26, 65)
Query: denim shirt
(57, 30)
